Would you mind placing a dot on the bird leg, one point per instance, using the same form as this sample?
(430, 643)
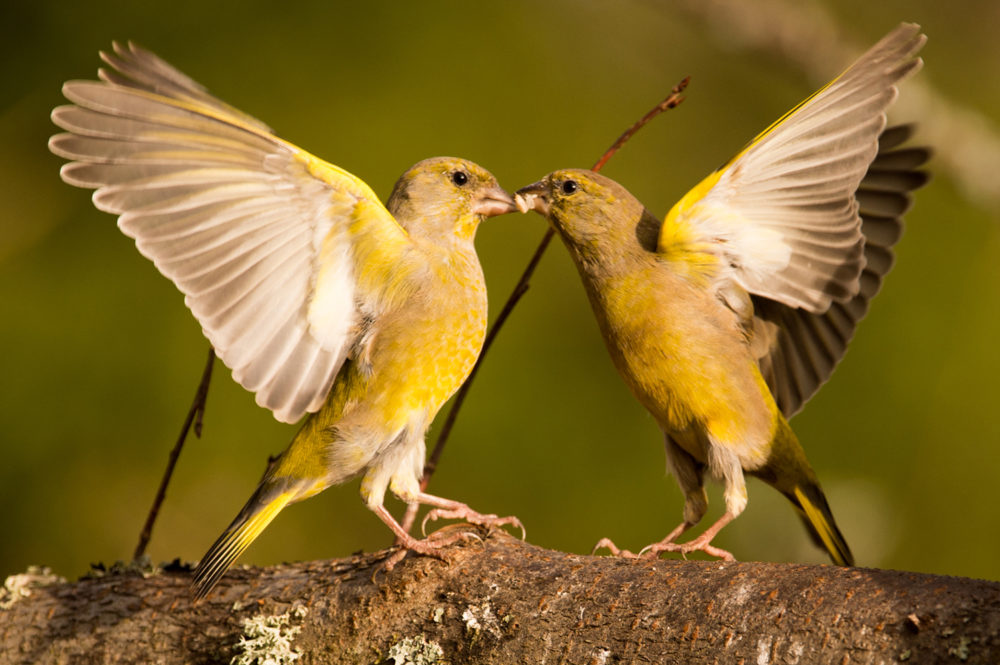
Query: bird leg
(429, 546)
(668, 540)
(626, 554)
(454, 510)
(699, 544)
(614, 549)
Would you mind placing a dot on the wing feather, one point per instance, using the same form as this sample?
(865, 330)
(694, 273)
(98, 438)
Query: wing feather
(808, 346)
(261, 237)
(782, 217)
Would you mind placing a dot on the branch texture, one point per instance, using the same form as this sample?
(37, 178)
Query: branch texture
(504, 601)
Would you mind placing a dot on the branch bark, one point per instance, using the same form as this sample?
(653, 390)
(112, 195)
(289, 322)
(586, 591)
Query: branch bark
(504, 601)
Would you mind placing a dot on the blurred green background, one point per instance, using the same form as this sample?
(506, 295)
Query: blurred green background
(100, 357)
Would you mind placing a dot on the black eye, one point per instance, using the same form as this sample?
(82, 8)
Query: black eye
(569, 186)
(459, 177)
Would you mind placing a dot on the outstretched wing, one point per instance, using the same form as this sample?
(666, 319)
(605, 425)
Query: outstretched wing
(805, 347)
(781, 217)
(263, 239)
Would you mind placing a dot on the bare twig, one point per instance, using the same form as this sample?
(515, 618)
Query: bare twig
(194, 417)
(519, 290)
(672, 100)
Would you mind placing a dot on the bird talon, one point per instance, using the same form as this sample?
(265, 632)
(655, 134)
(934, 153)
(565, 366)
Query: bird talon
(431, 546)
(394, 558)
(429, 517)
(696, 545)
(614, 549)
(472, 517)
(444, 537)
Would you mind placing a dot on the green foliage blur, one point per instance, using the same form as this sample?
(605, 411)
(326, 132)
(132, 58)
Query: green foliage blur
(101, 358)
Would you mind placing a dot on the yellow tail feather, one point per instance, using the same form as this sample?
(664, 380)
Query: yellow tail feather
(249, 524)
(816, 513)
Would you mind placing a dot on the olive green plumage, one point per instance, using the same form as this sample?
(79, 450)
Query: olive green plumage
(725, 316)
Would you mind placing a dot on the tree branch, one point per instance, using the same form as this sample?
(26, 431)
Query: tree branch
(504, 601)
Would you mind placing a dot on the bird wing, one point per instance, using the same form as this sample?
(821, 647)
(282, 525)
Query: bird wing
(265, 240)
(804, 348)
(781, 218)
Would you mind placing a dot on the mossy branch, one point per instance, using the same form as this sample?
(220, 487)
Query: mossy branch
(504, 601)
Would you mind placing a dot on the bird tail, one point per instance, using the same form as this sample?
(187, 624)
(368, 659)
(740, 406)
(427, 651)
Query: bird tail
(815, 512)
(788, 471)
(267, 501)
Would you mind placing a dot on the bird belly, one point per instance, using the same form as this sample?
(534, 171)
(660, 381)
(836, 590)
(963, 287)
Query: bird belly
(419, 360)
(378, 411)
(682, 357)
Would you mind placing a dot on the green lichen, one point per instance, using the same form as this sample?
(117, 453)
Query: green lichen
(415, 651)
(267, 639)
(481, 620)
(19, 586)
(143, 566)
(962, 650)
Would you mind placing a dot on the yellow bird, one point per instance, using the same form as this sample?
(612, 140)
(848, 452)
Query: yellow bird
(725, 317)
(320, 299)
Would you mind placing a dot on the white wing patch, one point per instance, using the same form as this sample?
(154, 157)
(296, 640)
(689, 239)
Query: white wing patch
(331, 309)
(782, 215)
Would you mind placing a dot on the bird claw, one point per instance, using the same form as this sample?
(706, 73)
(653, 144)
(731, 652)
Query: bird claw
(472, 517)
(431, 546)
(614, 549)
(666, 545)
(697, 545)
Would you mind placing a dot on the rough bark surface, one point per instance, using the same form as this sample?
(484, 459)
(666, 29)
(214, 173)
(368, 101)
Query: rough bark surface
(504, 601)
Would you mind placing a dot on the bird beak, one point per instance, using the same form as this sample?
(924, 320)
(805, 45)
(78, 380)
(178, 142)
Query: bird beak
(533, 197)
(492, 202)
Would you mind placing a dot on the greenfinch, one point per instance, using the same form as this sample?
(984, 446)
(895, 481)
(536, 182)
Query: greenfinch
(727, 315)
(321, 300)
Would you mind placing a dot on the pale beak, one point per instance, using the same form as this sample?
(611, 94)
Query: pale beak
(492, 202)
(533, 197)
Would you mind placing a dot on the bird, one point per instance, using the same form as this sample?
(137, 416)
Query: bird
(323, 302)
(725, 317)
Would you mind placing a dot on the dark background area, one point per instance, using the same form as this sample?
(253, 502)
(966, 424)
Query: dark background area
(101, 358)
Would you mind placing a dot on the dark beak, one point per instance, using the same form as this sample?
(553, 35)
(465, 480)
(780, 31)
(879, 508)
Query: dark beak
(533, 197)
(492, 202)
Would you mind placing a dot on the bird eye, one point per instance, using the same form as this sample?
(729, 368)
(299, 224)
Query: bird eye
(459, 177)
(569, 186)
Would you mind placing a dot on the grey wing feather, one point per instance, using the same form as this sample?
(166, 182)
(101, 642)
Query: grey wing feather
(807, 347)
(232, 214)
(135, 67)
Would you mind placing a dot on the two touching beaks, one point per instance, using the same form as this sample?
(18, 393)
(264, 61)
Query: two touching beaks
(496, 201)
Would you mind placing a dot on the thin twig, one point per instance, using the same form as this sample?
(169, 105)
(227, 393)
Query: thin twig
(672, 100)
(519, 290)
(194, 417)
(516, 294)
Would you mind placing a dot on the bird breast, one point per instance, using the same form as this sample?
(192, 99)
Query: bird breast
(682, 355)
(435, 338)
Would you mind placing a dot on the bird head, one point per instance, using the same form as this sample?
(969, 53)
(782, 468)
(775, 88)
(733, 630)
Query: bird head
(593, 214)
(444, 196)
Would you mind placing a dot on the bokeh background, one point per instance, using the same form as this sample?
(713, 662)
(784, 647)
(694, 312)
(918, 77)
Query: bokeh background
(100, 358)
